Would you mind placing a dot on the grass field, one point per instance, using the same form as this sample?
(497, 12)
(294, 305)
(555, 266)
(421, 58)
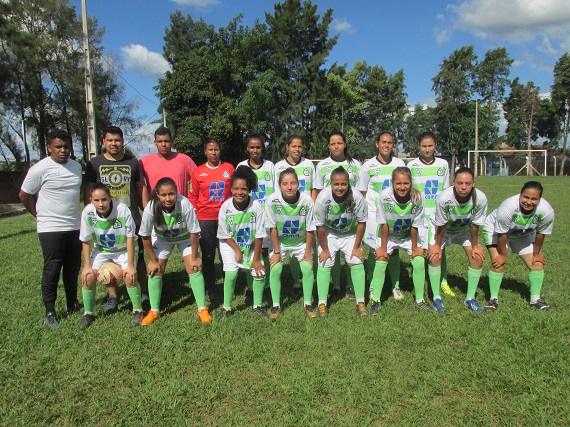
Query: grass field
(402, 367)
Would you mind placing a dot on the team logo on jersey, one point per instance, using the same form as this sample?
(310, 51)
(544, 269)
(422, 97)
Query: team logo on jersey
(260, 193)
(242, 237)
(415, 209)
(179, 218)
(303, 211)
(535, 220)
(440, 172)
(329, 169)
(226, 174)
(268, 176)
(253, 218)
(390, 207)
(349, 170)
(419, 171)
(171, 234)
(291, 228)
(306, 171)
(217, 191)
(386, 184)
(402, 225)
(231, 220)
(431, 188)
(339, 223)
(302, 185)
(107, 240)
(278, 208)
(117, 224)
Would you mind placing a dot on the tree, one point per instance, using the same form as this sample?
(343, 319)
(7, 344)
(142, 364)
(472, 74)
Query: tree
(521, 112)
(420, 119)
(560, 90)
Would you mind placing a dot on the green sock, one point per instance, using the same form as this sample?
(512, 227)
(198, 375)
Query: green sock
(434, 274)
(495, 280)
(536, 278)
(155, 292)
(394, 269)
(370, 265)
(135, 296)
(473, 277)
(335, 272)
(323, 278)
(295, 270)
(198, 288)
(357, 274)
(308, 279)
(443, 267)
(419, 276)
(275, 283)
(267, 268)
(229, 288)
(378, 278)
(258, 286)
(88, 299)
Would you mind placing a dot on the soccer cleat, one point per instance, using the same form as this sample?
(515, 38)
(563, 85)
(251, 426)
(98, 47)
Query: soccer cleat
(447, 290)
(492, 305)
(275, 312)
(150, 318)
(375, 307)
(111, 305)
(438, 305)
(350, 294)
(50, 320)
(137, 318)
(259, 312)
(76, 308)
(309, 311)
(361, 309)
(398, 295)
(86, 321)
(223, 313)
(473, 305)
(424, 306)
(204, 315)
(322, 311)
(297, 290)
(541, 305)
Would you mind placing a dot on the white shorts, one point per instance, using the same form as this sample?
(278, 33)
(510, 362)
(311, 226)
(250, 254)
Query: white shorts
(229, 259)
(519, 247)
(423, 237)
(100, 258)
(394, 244)
(462, 238)
(163, 249)
(295, 251)
(343, 244)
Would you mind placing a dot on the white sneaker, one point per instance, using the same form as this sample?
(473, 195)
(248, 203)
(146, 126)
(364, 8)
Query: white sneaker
(398, 295)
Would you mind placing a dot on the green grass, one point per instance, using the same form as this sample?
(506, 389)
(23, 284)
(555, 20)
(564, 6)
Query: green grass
(402, 367)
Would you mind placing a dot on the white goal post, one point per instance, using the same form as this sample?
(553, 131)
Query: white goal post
(508, 162)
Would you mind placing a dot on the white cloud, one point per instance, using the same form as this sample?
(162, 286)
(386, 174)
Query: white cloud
(517, 63)
(535, 62)
(144, 62)
(342, 26)
(200, 4)
(442, 35)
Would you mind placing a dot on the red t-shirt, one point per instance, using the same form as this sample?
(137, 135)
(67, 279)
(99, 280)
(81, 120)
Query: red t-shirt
(179, 168)
(210, 188)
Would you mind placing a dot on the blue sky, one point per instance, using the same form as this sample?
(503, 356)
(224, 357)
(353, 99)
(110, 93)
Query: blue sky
(414, 35)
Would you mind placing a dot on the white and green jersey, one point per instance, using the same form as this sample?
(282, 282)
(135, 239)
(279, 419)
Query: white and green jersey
(292, 221)
(510, 220)
(456, 216)
(430, 180)
(265, 180)
(109, 233)
(326, 166)
(339, 218)
(305, 172)
(377, 176)
(178, 224)
(400, 217)
(242, 226)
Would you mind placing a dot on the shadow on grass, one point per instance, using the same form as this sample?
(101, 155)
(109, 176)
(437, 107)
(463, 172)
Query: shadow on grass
(19, 234)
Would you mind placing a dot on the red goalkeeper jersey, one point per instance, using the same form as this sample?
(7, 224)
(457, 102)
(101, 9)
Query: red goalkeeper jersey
(210, 188)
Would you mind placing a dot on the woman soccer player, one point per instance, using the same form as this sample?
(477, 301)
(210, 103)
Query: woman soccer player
(340, 215)
(241, 231)
(111, 227)
(459, 212)
(400, 216)
(520, 222)
(169, 220)
(289, 217)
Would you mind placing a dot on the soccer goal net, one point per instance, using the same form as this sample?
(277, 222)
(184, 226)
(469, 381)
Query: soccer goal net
(508, 162)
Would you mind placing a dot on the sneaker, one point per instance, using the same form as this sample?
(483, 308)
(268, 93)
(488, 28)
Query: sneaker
(492, 305)
(204, 315)
(297, 290)
(438, 305)
(150, 318)
(145, 302)
(447, 290)
(223, 313)
(260, 312)
(361, 309)
(275, 312)
(398, 295)
(309, 311)
(350, 294)
(375, 307)
(86, 321)
(424, 306)
(76, 308)
(50, 320)
(111, 305)
(541, 305)
(473, 305)
(322, 310)
(137, 318)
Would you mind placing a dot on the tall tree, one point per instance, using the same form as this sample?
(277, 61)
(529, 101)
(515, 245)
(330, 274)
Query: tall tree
(420, 119)
(561, 96)
(521, 113)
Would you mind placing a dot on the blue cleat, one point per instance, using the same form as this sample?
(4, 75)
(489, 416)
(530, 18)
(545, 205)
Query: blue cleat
(473, 305)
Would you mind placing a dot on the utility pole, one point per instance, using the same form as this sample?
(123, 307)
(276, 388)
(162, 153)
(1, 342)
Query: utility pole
(91, 131)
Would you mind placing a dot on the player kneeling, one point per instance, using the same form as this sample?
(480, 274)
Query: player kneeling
(111, 227)
(520, 222)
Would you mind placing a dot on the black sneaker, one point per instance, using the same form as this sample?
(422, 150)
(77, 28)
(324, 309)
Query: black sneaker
(260, 312)
(86, 321)
(50, 320)
(275, 312)
(424, 306)
(541, 305)
(375, 308)
(492, 305)
(223, 313)
(309, 311)
(137, 318)
(350, 294)
(75, 308)
(111, 305)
